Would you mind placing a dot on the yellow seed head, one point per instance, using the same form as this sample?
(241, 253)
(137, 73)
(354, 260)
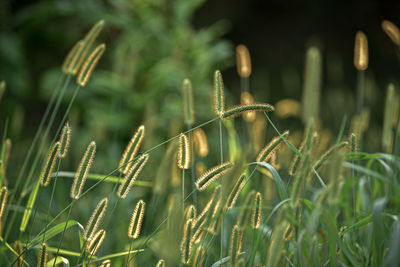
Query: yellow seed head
(3, 200)
(136, 220)
(186, 243)
(256, 214)
(243, 61)
(392, 31)
(131, 150)
(48, 167)
(187, 94)
(235, 245)
(106, 263)
(131, 176)
(42, 255)
(200, 142)
(90, 64)
(212, 174)
(190, 212)
(65, 139)
(219, 99)
(160, 263)
(94, 244)
(184, 152)
(95, 219)
(72, 57)
(83, 170)
(361, 51)
(266, 153)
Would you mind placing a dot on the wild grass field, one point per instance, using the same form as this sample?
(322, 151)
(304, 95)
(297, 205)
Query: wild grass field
(236, 181)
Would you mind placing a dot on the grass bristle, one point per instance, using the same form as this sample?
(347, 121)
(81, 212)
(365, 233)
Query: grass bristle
(219, 98)
(265, 154)
(235, 246)
(212, 174)
(48, 167)
(237, 110)
(392, 31)
(200, 142)
(186, 243)
(90, 64)
(131, 150)
(361, 51)
(243, 61)
(136, 220)
(256, 212)
(42, 259)
(184, 152)
(95, 219)
(83, 171)
(233, 196)
(188, 106)
(105, 263)
(190, 212)
(160, 263)
(94, 244)
(65, 139)
(131, 176)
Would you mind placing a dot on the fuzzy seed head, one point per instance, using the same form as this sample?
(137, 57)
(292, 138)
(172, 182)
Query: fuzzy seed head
(188, 106)
(72, 57)
(65, 139)
(243, 61)
(353, 143)
(392, 31)
(256, 213)
(3, 200)
(48, 167)
(200, 142)
(233, 196)
(131, 150)
(90, 64)
(186, 243)
(235, 245)
(106, 263)
(94, 244)
(83, 170)
(42, 255)
(190, 212)
(219, 99)
(361, 51)
(266, 153)
(184, 152)
(131, 176)
(212, 174)
(160, 263)
(95, 219)
(136, 220)
(237, 110)
(245, 213)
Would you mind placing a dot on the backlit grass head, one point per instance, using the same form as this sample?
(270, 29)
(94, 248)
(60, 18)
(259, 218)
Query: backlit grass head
(361, 51)
(95, 219)
(212, 174)
(188, 106)
(72, 58)
(235, 245)
(219, 98)
(256, 211)
(48, 167)
(132, 175)
(65, 139)
(131, 150)
(184, 152)
(233, 196)
(186, 243)
(95, 242)
(392, 31)
(243, 61)
(266, 153)
(83, 171)
(90, 64)
(135, 225)
(200, 142)
(42, 258)
(237, 110)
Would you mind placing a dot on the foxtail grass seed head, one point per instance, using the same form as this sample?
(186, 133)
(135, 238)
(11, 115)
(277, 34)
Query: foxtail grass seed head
(361, 51)
(200, 142)
(186, 243)
(184, 152)
(243, 61)
(3, 200)
(237, 110)
(387, 131)
(312, 84)
(190, 212)
(246, 99)
(95, 219)
(233, 196)
(353, 143)
(42, 259)
(6, 150)
(199, 257)
(83, 170)
(106, 263)
(131, 176)
(266, 153)
(131, 150)
(212, 174)
(48, 167)
(188, 106)
(328, 153)
(90, 64)
(65, 139)
(160, 263)
(72, 57)
(392, 31)
(88, 41)
(235, 245)
(94, 244)
(136, 220)
(256, 212)
(287, 108)
(219, 98)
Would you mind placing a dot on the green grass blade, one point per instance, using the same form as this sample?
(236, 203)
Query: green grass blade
(29, 206)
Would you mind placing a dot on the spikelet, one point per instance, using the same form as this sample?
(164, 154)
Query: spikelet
(65, 139)
(235, 245)
(187, 93)
(90, 64)
(237, 110)
(186, 243)
(2, 89)
(48, 167)
(387, 130)
(95, 219)
(245, 213)
(6, 150)
(328, 153)
(94, 244)
(160, 263)
(233, 196)
(212, 174)
(219, 100)
(243, 61)
(287, 108)
(199, 257)
(131, 149)
(312, 84)
(275, 247)
(361, 51)
(131, 176)
(392, 31)
(306, 144)
(3, 203)
(353, 143)
(136, 220)
(106, 263)
(214, 220)
(200, 142)
(246, 99)
(183, 152)
(190, 212)
(88, 41)
(72, 57)
(266, 153)
(42, 259)
(256, 212)
(83, 170)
